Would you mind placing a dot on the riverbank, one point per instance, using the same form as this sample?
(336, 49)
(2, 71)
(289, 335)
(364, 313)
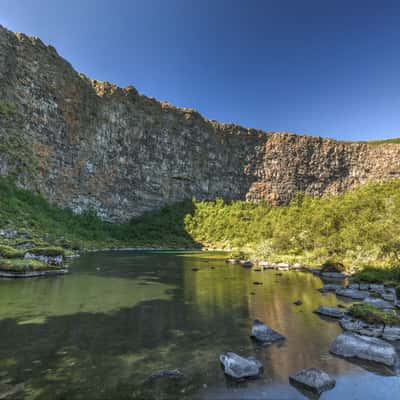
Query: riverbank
(359, 230)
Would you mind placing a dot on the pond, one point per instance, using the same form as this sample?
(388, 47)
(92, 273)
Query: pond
(118, 317)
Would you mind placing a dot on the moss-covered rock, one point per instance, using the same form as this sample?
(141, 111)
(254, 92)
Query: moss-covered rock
(373, 315)
(21, 265)
(11, 252)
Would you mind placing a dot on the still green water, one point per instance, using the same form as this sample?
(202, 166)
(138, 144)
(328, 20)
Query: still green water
(99, 332)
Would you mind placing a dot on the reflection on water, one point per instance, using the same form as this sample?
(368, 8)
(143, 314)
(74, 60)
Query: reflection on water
(99, 332)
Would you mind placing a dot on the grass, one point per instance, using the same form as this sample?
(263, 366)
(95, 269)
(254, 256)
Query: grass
(51, 225)
(370, 274)
(20, 265)
(10, 252)
(373, 315)
(47, 251)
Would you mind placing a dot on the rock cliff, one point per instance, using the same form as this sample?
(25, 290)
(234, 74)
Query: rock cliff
(89, 144)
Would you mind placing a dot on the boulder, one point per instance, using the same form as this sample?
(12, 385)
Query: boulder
(391, 332)
(361, 327)
(330, 287)
(264, 333)
(378, 303)
(333, 312)
(239, 368)
(313, 379)
(351, 345)
(352, 293)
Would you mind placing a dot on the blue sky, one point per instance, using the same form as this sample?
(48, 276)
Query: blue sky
(328, 68)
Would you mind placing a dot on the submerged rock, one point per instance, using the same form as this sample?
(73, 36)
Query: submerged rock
(333, 312)
(298, 303)
(351, 345)
(166, 373)
(352, 293)
(264, 333)
(313, 379)
(238, 367)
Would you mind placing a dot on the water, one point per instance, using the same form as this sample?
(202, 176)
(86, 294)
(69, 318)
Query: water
(99, 332)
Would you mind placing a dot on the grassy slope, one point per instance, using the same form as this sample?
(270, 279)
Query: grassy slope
(359, 227)
(22, 210)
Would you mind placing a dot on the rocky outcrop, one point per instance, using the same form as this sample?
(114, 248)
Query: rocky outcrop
(86, 144)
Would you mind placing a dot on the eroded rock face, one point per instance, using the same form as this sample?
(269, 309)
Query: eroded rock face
(239, 368)
(313, 379)
(86, 144)
(351, 345)
(264, 334)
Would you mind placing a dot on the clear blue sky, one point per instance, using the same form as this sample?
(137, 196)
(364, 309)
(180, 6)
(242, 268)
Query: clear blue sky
(329, 68)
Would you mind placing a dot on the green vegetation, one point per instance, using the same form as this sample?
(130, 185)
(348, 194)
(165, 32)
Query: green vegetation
(47, 251)
(351, 231)
(49, 225)
(7, 109)
(11, 252)
(360, 227)
(17, 265)
(373, 315)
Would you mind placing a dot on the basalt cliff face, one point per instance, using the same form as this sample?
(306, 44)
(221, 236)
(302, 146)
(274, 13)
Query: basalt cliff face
(89, 144)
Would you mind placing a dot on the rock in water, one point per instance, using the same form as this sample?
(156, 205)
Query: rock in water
(333, 312)
(330, 287)
(264, 333)
(351, 345)
(379, 303)
(352, 293)
(361, 327)
(391, 332)
(238, 367)
(166, 373)
(313, 379)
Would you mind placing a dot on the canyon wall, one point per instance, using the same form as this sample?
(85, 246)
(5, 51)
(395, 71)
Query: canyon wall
(88, 144)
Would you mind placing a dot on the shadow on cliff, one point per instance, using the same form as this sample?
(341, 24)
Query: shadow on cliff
(165, 227)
